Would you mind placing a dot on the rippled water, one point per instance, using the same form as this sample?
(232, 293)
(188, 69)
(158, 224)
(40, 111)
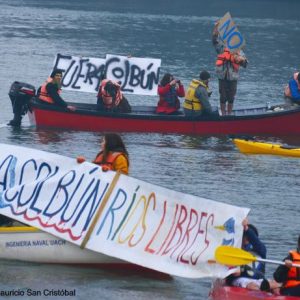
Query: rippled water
(178, 32)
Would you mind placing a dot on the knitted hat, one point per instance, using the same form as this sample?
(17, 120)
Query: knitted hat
(55, 72)
(204, 75)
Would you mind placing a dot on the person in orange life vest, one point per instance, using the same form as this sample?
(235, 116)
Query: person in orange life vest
(169, 90)
(111, 99)
(292, 90)
(50, 90)
(289, 275)
(113, 154)
(227, 70)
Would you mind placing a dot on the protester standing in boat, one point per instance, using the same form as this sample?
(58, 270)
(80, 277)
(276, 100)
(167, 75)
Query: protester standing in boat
(113, 154)
(169, 90)
(292, 90)
(111, 99)
(197, 96)
(227, 70)
(50, 91)
(288, 275)
(251, 277)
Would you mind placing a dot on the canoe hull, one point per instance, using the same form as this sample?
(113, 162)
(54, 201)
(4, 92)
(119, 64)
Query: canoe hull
(220, 292)
(87, 118)
(253, 147)
(28, 244)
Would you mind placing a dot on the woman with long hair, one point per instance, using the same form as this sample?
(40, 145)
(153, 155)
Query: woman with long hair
(169, 90)
(113, 154)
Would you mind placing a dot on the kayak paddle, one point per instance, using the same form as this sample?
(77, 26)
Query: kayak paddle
(231, 256)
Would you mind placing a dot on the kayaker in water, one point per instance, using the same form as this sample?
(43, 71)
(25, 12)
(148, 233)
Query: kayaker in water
(113, 154)
(197, 96)
(111, 99)
(292, 90)
(227, 70)
(50, 90)
(169, 90)
(288, 275)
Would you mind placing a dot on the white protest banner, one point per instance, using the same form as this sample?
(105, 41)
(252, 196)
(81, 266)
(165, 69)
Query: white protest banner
(80, 73)
(229, 33)
(139, 222)
(137, 75)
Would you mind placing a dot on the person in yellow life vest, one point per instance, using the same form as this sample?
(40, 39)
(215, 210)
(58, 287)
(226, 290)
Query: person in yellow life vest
(113, 154)
(50, 90)
(196, 100)
(111, 99)
(288, 275)
(292, 90)
(227, 70)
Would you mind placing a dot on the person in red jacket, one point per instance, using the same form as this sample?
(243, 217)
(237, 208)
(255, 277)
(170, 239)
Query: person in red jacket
(169, 90)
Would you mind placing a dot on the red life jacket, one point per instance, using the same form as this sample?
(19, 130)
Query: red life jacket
(287, 91)
(107, 98)
(44, 96)
(108, 164)
(293, 276)
(227, 56)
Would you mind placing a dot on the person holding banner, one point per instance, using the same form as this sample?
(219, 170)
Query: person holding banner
(197, 96)
(50, 90)
(292, 90)
(111, 99)
(169, 90)
(289, 275)
(113, 155)
(227, 70)
(251, 277)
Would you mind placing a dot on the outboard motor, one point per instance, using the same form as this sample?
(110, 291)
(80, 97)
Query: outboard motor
(20, 93)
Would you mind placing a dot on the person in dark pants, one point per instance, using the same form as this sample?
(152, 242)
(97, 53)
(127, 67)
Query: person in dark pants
(227, 70)
(288, 275)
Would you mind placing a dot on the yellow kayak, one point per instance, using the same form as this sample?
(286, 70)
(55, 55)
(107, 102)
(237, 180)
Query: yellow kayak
(253, 147)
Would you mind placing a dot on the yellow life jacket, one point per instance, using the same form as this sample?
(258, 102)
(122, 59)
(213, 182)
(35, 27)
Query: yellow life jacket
(191, 102)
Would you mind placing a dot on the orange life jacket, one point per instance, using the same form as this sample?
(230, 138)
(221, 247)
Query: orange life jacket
(107, 98)
(227, 56)
(44, 96)
(287, 91)
(108, 164)
(293, 276)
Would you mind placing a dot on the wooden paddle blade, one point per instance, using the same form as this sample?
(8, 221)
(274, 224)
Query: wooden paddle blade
(231, 256)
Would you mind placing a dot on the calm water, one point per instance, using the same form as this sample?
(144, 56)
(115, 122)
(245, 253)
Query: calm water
(32, 32)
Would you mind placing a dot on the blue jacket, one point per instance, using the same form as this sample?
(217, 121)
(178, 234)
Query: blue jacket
(295, 92)
(257, 247)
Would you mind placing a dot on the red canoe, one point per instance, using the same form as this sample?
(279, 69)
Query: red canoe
(277, 120)
(220, 292)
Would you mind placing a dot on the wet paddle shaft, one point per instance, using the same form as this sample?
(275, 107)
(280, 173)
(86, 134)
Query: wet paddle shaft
(231, 256)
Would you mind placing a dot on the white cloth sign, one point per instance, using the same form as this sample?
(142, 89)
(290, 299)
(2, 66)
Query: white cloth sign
(84, 74)
(137, 75)
(80, 73)
(140, 222)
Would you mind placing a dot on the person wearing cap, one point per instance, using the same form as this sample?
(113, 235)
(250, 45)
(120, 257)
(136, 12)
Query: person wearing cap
(288, 275)
(292, 90)
(197, 96)
(50, 91)
(227, 70)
